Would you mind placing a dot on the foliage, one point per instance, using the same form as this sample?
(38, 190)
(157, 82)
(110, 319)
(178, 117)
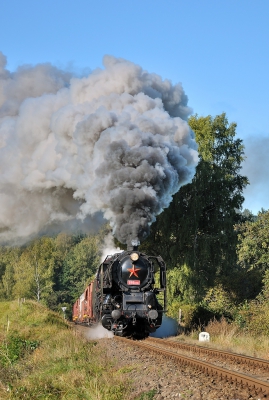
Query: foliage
(9, 257)
(52, 270)
(80, 266)
(252, 316)
(14, 347)
(187, 312)
(147, 395)
(242, 284)
(179, 284)
(264, 295)
(197, 232)
(253, 246)
(34, 271)
(219, 302)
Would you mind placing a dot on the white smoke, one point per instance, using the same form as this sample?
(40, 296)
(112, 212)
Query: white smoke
(114, 143)
(108, 247)
(98, 332)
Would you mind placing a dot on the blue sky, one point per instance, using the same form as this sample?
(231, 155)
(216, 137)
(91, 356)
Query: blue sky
(217, 49)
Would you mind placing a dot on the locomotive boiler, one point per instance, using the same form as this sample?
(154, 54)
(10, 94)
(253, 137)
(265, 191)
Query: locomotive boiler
(128, 295)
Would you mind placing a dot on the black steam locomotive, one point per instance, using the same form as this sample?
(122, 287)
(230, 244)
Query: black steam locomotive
(128, 295)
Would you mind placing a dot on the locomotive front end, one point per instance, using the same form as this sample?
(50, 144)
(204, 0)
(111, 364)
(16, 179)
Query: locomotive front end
(131, 307)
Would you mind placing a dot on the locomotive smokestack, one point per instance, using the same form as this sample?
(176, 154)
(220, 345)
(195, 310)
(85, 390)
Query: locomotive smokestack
(133, 245)
(114, 144)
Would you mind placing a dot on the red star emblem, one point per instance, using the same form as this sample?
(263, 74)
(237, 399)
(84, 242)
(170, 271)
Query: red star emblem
(133, 271)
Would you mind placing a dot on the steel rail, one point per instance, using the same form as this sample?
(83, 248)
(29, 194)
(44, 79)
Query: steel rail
(210, 369)
(257, 362)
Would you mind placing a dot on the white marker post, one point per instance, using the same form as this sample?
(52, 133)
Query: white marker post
(64, 308)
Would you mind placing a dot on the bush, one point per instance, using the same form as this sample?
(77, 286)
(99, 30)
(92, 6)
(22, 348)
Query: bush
(218, 302)
(187, 313)
(221, 328)
(15, 347)
(253, 318)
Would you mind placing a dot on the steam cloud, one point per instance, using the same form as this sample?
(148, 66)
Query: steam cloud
(98, 332)
(108, 247)
(115, 143)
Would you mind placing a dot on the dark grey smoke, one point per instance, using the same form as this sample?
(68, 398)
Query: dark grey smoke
(115, 142)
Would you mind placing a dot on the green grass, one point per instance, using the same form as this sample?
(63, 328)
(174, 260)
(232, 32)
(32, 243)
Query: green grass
(147, 395)
(42, 358)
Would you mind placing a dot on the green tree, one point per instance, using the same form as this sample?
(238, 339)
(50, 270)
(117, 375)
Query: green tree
(253, 246)
(9, 257)
(35, 270)
(253, 315)
(219, 301)
(80, 266)
(63, 245)
(197, 229)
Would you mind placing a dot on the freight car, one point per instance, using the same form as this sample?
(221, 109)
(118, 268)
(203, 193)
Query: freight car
(128, 295)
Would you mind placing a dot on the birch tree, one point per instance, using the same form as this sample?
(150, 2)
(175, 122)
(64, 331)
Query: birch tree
(35, 270)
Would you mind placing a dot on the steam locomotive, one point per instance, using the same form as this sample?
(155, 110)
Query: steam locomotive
(128, 295)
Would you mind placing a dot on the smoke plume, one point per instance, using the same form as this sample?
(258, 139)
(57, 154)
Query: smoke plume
(98, 332)
(108, 247)
(114, 144)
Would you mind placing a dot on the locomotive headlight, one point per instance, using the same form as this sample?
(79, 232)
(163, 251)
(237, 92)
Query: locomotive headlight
(134, 256)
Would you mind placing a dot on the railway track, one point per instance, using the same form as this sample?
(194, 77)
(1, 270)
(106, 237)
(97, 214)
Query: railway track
(222, 364)
(247, 362)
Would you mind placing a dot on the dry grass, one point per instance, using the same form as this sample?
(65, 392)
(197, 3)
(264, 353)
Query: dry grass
(224, 335)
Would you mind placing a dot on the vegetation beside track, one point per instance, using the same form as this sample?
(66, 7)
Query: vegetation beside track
(42, 358)
(229, 336)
